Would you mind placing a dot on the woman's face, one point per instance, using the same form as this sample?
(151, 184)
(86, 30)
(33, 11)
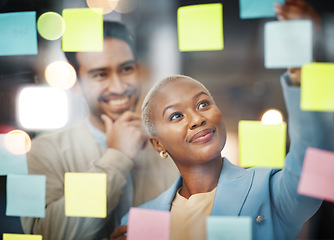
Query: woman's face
(188, 124)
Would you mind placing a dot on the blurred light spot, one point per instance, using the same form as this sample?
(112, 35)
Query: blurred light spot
(51, 25)
(272, 116)
(17, 142)
(107, 5)
(60, 75)
(125, 6)
(42, 108)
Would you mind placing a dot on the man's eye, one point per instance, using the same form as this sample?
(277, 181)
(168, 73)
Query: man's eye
(203, 104)
(99, 75)
(127, 69)
(175, 116)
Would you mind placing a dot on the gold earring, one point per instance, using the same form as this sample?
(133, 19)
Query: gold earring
(163, 154)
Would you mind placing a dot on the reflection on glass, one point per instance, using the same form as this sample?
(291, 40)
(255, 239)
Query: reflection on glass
(17, 142)
(60, 74)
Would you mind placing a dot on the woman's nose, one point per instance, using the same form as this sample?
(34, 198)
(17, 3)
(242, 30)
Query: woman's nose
(196, 120)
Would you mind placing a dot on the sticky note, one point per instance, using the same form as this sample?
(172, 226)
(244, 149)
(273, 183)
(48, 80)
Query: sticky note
(317, 87)
(86, 195)
(83, 30)
(317, 174)
(262, 144)
(200, 27)
(287, 43)
(257, 8)
(236, 228)
(147, 224)
(18, 33)
(11, 163)
(10, 236)
(26, 195)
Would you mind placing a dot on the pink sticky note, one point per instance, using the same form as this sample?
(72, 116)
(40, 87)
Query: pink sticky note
(317, 174)
(147, 224)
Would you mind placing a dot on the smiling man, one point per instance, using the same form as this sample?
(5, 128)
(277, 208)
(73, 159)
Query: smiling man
(111, 140)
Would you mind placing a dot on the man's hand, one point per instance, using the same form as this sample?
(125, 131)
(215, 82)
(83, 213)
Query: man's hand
(119, 232)
(125, 134)
(297, 9)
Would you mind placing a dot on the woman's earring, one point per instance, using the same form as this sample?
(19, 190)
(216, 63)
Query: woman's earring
(163, 154)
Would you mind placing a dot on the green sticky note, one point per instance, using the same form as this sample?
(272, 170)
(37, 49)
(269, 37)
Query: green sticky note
(10, 236)
(317, 87)
(26, 195)
(200, 27)
(83, 30)
(86, 195)
(236, 228)
(262, 144)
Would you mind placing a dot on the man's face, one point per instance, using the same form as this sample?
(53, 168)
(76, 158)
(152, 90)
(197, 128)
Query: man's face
(109, 79)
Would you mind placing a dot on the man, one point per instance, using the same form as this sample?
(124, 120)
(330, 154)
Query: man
(111, 140)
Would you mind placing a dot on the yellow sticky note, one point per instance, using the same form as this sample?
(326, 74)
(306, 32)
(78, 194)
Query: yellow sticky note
(262, 144)
(200, 27)
(86, 195)
(83, 30)
(10, 236)
(317, 87)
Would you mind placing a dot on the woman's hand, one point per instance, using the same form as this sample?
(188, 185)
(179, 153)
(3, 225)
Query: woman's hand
(119, 233)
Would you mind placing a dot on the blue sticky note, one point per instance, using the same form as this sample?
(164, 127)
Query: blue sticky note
(257, 8)
(18, 33)
(26, 195)
(234, 228)
(288, 43)
(11, 163)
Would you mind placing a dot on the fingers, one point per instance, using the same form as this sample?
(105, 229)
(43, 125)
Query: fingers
(129, 116)
(108, 123)
(119, 233)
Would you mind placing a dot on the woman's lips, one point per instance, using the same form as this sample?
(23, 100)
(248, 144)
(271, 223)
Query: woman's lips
(202, 136)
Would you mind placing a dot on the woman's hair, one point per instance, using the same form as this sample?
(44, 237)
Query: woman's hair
(147, 106)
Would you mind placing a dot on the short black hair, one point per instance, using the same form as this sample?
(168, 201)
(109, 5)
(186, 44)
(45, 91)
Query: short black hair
(110, 30)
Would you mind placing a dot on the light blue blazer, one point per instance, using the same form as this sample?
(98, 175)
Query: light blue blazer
(269, 196)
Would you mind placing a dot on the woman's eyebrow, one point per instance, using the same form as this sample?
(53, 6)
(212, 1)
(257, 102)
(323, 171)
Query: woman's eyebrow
(173, 105)
(199, 94)
(166, 108)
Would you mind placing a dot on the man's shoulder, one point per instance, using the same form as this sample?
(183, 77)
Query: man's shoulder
(62, 134)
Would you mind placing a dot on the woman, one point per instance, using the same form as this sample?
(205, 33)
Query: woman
(184, 122)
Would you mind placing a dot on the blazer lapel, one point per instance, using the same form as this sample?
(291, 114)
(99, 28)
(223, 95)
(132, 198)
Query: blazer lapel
(232, 190)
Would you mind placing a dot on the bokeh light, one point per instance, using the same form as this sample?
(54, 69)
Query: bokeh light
(51, 25)
(40, 108)
(60, 74)
(125, 6)
(107, 5)
(17, 142)
(272, 116)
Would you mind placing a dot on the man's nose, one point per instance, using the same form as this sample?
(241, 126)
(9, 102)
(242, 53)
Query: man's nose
(116, 84)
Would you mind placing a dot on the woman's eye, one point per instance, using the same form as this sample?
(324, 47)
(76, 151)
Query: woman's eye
(203, 104)
(175, 116)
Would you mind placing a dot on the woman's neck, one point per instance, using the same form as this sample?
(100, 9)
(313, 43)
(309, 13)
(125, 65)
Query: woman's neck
(200, 178)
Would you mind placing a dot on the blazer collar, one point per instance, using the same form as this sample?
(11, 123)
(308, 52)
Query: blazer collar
(232, 189)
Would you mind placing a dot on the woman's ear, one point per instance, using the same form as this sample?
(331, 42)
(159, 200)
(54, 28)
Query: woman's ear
(157, 144)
